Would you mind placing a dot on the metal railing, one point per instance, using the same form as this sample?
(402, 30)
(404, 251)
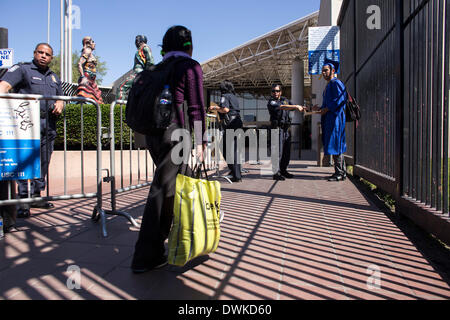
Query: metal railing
(145, 171)
(135, 145)
(402, 141)
(98, 211)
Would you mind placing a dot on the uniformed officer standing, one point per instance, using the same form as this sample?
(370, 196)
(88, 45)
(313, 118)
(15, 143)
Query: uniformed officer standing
(279, 108)
(229, 113)
(36, 78)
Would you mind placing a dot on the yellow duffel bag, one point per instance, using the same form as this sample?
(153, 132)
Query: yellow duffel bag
(196, 228)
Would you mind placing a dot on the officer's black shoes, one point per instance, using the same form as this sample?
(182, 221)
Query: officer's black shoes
(235, 180)
(278, 177)
(287, 175)
(337, 177)
(23, 213)
(42, 205)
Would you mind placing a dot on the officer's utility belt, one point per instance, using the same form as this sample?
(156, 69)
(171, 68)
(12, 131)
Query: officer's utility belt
(280, 125)
(49, 111)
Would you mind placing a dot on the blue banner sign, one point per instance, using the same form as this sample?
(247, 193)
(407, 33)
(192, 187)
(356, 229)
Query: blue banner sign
(323, 42)
(19, 139)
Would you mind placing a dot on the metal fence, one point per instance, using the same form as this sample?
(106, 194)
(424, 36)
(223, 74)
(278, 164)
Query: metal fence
(98, 210)
(400, 76)
(133, 157)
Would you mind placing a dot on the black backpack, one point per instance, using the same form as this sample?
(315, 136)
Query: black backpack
(352, 109)
(144, 114)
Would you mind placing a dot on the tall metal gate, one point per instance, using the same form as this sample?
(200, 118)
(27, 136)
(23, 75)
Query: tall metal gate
(399, 73)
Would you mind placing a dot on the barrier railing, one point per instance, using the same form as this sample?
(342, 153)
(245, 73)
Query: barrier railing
(212, 163)
(98, 212)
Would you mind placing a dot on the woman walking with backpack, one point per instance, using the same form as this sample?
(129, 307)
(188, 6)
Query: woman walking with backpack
(187, 86)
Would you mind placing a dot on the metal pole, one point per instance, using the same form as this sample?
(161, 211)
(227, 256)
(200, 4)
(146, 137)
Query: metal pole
(69, 53)
(62, 53)
(66, 43)
(48, 22)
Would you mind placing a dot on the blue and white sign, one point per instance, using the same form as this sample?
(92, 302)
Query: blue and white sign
(20, 147)
(324, 42)
(6, 58)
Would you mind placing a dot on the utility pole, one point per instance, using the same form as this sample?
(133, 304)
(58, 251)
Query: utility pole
(66, 41)
(48, 23)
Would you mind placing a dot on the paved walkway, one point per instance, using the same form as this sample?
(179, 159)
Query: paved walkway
(304, 238)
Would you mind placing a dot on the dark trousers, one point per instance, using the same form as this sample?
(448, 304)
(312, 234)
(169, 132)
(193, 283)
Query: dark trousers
(339, 165)
(234, 166)
(284, 156)
(158, 212)
(9, 213)
(38, 185)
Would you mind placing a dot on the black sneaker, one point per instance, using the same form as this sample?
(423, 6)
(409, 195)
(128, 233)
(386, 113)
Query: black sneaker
(235, 180)
(159, 264)
(287, 175)
(42, 205)
(278, 177)
(23, 213)
(338, 177)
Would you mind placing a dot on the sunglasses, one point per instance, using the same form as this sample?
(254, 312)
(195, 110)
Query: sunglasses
(276, 90)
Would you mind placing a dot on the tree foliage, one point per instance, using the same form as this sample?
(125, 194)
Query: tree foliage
(55, 65)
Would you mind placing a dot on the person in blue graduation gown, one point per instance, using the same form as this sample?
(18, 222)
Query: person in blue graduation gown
(333, 119)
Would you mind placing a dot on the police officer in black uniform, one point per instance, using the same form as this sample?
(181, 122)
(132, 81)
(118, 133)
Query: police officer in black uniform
(230, 117)
(36, 78)
(279, 108)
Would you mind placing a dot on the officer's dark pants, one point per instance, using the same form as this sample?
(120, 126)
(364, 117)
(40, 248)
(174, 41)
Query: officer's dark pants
(339, 165)
(284, 156)
(9, 213)
(158, 212)
(234, 165)
(47, 143)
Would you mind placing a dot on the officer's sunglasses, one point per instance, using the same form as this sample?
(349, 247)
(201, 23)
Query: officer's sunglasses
(276, 90)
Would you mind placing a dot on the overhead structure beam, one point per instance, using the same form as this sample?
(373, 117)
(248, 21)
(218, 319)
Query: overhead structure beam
(265, 60)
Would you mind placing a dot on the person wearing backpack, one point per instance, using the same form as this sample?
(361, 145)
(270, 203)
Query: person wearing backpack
(186, 85)
(333, 119)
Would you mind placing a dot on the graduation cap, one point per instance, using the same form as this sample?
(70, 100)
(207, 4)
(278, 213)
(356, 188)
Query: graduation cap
(332, 64)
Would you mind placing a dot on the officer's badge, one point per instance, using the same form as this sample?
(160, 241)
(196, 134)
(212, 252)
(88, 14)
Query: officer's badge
(273, 103)
(53, 78)
(13, 68)
(222, 100)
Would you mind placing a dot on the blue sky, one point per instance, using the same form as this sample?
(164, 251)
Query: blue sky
(217, 26)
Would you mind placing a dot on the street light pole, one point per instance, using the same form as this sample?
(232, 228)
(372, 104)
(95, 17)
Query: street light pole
(48, 24)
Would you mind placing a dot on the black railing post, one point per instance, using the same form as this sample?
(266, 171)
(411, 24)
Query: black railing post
(399, 99)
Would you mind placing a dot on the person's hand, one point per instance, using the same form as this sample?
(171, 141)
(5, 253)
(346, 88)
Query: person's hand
(315, 108)
(59, 107)
(323, 111)
(199, 151)
(301, 108)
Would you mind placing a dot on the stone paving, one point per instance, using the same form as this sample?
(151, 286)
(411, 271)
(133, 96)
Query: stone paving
(304, 238)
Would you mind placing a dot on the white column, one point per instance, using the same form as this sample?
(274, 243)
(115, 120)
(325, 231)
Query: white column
(297, 89)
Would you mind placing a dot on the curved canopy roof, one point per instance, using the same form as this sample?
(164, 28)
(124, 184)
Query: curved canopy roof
(263, 61)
